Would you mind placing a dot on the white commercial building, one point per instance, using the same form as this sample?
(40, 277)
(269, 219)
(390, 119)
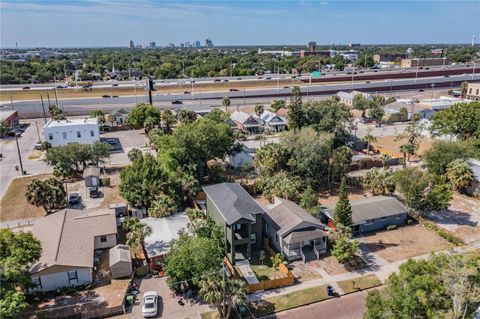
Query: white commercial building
(83, 131)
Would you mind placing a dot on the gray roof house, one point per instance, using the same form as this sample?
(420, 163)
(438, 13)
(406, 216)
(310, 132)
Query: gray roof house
(241, 157)
(371, 214)
(293, 231)
(347, 97)
(246, 122)
(120, 116)
(69, 239)
(239, 215)
(272, 121)
(120, 261)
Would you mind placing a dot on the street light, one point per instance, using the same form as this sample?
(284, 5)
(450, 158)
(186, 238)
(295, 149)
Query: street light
(432, 85)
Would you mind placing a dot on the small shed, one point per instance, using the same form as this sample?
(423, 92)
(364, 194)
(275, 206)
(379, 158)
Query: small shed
(120, 261)
(121, 209)
(91, 175)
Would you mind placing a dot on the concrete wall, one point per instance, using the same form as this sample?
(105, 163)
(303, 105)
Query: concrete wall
(111, 242)
(60, 279)
(381, 224)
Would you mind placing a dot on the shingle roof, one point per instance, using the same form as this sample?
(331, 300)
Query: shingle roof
(233, 202)
(372, 208)
(119, 253)
(241, 117)
(285, 216)
(268, 117)
(67, 237)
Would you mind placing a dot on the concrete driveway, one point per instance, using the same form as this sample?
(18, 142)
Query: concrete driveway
(26, 144)
(168, 305)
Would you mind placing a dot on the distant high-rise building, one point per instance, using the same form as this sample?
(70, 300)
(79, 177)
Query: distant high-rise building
(312, 46)
(132, 45)
(208, 43)
(152, 44)
(354, 45)
(182, 45)
(170, 44)
(197, 44)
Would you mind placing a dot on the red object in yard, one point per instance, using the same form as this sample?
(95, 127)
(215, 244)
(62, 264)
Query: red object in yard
(331, 225)
(161, 273)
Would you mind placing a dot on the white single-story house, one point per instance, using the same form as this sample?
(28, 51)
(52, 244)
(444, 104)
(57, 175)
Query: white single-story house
(347, 97)
(120, 116)
(164, 230)
(393, 113)
(242, 157)
(69, 239)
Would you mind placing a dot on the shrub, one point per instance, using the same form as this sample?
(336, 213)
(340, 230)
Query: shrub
(105, 181)
(442, 233)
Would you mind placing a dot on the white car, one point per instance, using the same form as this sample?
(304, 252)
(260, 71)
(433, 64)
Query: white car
(150, 304)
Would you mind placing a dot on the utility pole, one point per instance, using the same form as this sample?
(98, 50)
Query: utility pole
(19, 155)
(48, 97)
(38, 132)
(56, 99)
(11, 103)
(43, 108)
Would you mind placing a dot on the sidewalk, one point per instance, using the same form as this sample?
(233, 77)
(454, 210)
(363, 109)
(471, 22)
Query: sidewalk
(382, 270)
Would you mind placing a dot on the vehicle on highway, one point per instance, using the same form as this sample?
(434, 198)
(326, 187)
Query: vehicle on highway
(367, 82)
(238, 79)
(294, 77)
(217, 80)
(268, 78)
(447, 76)
(150, 304)
(106, 96)
(421, 90)
(286, 87)
(225, 80)
(115, 84)
(177, 102)
(74, 199)
(186, 92)
(93, 191)
(233, 90)
(26, 88)
(114, 95)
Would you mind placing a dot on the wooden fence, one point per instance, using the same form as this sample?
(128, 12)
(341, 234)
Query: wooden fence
(274, 283)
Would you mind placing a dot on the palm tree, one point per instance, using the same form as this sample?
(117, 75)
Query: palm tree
(276, 261)
(111, 119)
(36, 194)
(407, 149)
(369, 139)
(259, 108)
(167, 120)
(385, 161)
(223, 293)
(136, 232)
(226, 102)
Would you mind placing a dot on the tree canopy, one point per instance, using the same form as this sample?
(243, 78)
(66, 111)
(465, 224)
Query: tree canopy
(18, 251)
(460, 120)
(49, 194)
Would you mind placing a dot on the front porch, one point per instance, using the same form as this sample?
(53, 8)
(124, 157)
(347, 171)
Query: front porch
(306, 250)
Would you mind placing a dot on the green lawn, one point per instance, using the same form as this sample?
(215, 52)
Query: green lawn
(288, 301)
(359, 283)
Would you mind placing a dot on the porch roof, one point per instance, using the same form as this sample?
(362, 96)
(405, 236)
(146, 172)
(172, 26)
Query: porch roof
(300, 236)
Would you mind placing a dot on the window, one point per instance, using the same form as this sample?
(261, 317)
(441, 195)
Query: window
(103, 239)
(50, 136)
(266, 227)
(64, 135)
(276, 238)
(92, 133)
(477, 91)
(79, 134)
(470, 91)
(72, 276)
(237, 226)
(253, 237)
(37, 282)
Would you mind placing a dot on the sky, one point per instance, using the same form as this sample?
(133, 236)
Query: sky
(102, 23)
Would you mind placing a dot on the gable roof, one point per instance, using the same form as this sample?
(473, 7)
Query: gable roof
(242, 117)
(119, 253)
(282, 112)
(269, 117)
(120, 112)
(233, 202)
(67, 237)
(91, 171)
(285, 217)
(372, 208)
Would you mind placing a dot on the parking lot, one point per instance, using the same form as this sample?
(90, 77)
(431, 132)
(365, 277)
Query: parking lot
(126, 141)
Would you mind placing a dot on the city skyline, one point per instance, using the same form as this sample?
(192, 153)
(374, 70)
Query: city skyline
(112, 23)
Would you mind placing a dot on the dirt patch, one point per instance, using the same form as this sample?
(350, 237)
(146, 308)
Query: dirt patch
(405, 242)
(35, 155)
(360, 283)
(392, 146)
(112, 193)
(14, 205)
(304, 271)
(462, 218)
(329, 197)
(333, 267)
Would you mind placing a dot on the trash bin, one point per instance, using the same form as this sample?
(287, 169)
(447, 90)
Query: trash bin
(330, 290)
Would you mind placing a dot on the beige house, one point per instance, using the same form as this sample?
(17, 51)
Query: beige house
(423, 62)
(473, 91)
(69, 239)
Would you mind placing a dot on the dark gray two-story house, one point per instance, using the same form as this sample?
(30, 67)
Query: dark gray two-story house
(239, 215)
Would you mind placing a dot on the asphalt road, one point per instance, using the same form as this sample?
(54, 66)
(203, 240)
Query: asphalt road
(81, 106)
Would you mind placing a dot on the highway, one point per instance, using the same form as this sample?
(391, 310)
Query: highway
(327, 75)
(82, 106)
